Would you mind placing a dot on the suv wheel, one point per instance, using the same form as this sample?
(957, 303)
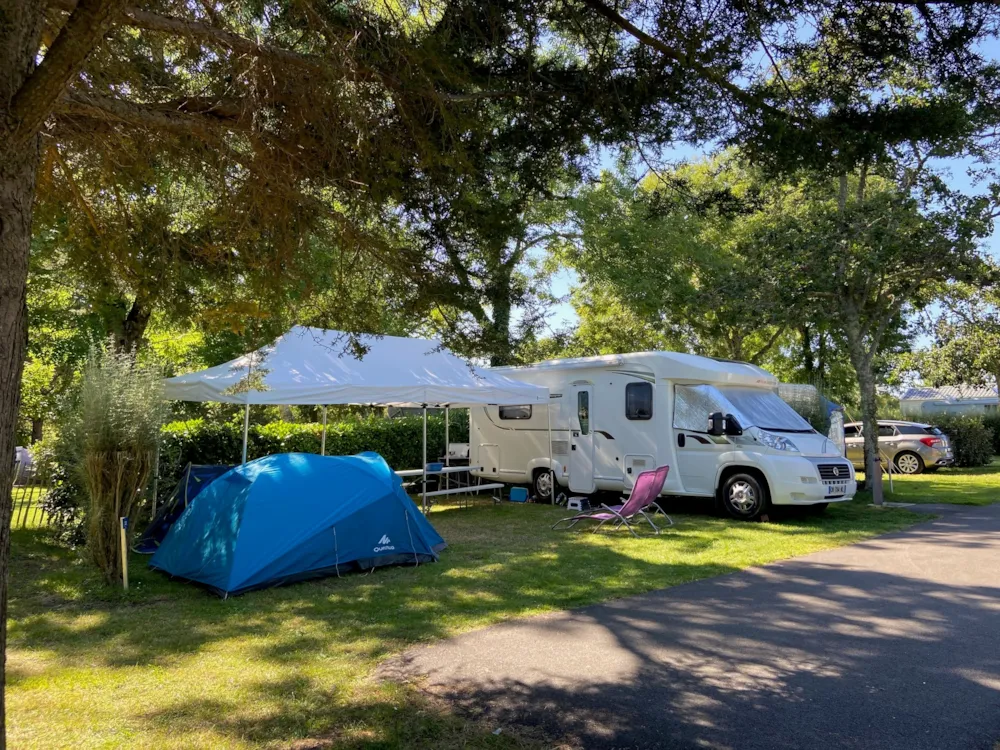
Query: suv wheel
(908, 462)
(744, 497)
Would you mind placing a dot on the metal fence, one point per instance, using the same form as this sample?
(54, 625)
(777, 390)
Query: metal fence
(30, 487)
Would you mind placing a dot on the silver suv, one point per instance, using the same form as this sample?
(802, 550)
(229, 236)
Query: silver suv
(912, 447)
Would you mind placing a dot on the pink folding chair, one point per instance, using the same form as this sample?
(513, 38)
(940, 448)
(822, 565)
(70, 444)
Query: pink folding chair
(645, 492)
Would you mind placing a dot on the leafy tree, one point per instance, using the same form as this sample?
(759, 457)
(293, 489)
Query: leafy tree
(966, 348)
(675, 251)
(868, 259)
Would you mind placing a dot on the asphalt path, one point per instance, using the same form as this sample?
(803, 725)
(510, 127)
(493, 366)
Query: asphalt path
(890, 643)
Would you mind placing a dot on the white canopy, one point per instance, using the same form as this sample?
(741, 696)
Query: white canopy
(311, 366)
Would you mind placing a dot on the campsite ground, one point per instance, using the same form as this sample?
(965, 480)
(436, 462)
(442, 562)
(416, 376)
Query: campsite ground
(169, 665)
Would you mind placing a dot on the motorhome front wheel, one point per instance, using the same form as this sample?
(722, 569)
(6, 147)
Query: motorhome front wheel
(744, 497)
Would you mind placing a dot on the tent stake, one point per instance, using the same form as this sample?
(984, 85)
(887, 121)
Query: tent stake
(423, 490)
(246, 429)
(322, 442)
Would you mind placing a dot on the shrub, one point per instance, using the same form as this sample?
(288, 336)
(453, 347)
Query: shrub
(971, 440)
(115, 433)
(65, 499)
(992, 422)
(398, 440)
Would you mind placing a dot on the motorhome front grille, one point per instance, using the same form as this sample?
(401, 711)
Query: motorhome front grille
(834, 472)
(560, 447)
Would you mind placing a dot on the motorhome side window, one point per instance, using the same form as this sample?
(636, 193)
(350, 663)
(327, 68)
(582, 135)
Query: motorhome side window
(583, 411)
(639, 401)
(516, 412)
(692, 406)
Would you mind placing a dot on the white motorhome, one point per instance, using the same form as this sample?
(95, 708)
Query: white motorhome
(719, 425)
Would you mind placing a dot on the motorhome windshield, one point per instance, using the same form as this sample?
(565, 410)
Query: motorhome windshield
(765, 409)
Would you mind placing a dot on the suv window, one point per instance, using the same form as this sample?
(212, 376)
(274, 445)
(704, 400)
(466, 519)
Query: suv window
(886, 430)
(910, 429)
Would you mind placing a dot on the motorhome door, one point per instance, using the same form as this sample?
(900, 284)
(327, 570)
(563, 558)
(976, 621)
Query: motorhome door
(581, 453)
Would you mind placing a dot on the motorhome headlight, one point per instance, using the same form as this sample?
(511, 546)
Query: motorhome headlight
(777, 442)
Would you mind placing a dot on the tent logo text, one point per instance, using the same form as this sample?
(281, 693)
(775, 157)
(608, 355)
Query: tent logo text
(384, 544)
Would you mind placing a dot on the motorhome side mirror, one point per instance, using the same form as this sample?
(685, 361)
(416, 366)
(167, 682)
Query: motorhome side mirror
(733, 426)
(716, 424)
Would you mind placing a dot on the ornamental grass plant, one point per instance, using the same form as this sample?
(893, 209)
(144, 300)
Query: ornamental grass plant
(121, 410)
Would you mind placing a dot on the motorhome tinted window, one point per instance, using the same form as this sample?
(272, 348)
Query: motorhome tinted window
(583, 411)
(515, 412)
(693, 404)
(763, 408)
(851, 431)
(639, 401)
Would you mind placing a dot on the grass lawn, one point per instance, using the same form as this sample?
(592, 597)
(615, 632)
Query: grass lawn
(979, 486)
(168, 665)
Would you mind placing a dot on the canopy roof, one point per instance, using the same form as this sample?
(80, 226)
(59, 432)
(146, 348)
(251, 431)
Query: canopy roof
(311, 366)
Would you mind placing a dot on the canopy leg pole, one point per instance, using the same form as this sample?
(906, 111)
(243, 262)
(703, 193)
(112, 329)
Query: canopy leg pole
(552, 476)
(423, 489)
(447, 463)
(322, 441)
(246, 429)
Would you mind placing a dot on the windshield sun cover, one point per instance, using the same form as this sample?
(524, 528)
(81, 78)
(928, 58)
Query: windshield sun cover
(764, 409)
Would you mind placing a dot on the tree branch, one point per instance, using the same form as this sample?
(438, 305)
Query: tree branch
(685, 60)
(154, 116)
(34, 101)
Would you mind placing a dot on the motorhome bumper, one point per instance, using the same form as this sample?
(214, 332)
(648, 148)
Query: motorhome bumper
(798, 482)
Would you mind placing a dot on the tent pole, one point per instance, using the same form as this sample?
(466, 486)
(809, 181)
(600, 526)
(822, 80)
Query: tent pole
(246, 429)
(322, 442)
(552, 480)
(447, 463)
(423, 489)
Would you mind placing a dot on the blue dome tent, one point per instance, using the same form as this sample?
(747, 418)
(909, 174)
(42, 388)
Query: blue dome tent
(192, 482)
(294, 516)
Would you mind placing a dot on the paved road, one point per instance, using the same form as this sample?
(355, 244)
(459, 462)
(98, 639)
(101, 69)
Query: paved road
(891, 643)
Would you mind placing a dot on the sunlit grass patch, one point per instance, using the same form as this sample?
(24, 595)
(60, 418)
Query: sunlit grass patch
(975, 486)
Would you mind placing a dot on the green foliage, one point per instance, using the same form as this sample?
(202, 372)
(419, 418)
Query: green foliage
(992, 422)
(399, 441)
(971, 439)
(966, 348)
(115, 435)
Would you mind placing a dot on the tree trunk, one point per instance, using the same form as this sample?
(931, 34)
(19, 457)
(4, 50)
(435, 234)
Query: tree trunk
(20, 28)
(37, 429)
(17, 193)
(133, 326)
(807, 352)
(862, 363)
(869, 418)
(498, 332)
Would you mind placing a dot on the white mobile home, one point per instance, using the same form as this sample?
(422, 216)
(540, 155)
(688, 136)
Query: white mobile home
(719, 425)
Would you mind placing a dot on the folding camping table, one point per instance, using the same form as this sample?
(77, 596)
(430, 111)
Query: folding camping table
(493, 487)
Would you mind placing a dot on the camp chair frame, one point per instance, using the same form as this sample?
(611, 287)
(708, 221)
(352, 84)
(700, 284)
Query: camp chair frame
(644, 494)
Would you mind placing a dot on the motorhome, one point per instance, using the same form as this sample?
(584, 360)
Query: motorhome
(718, 424)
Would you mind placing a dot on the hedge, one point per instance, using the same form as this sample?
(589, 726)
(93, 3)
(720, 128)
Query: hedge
(992, 422)
(971, 440)
(398, 440)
